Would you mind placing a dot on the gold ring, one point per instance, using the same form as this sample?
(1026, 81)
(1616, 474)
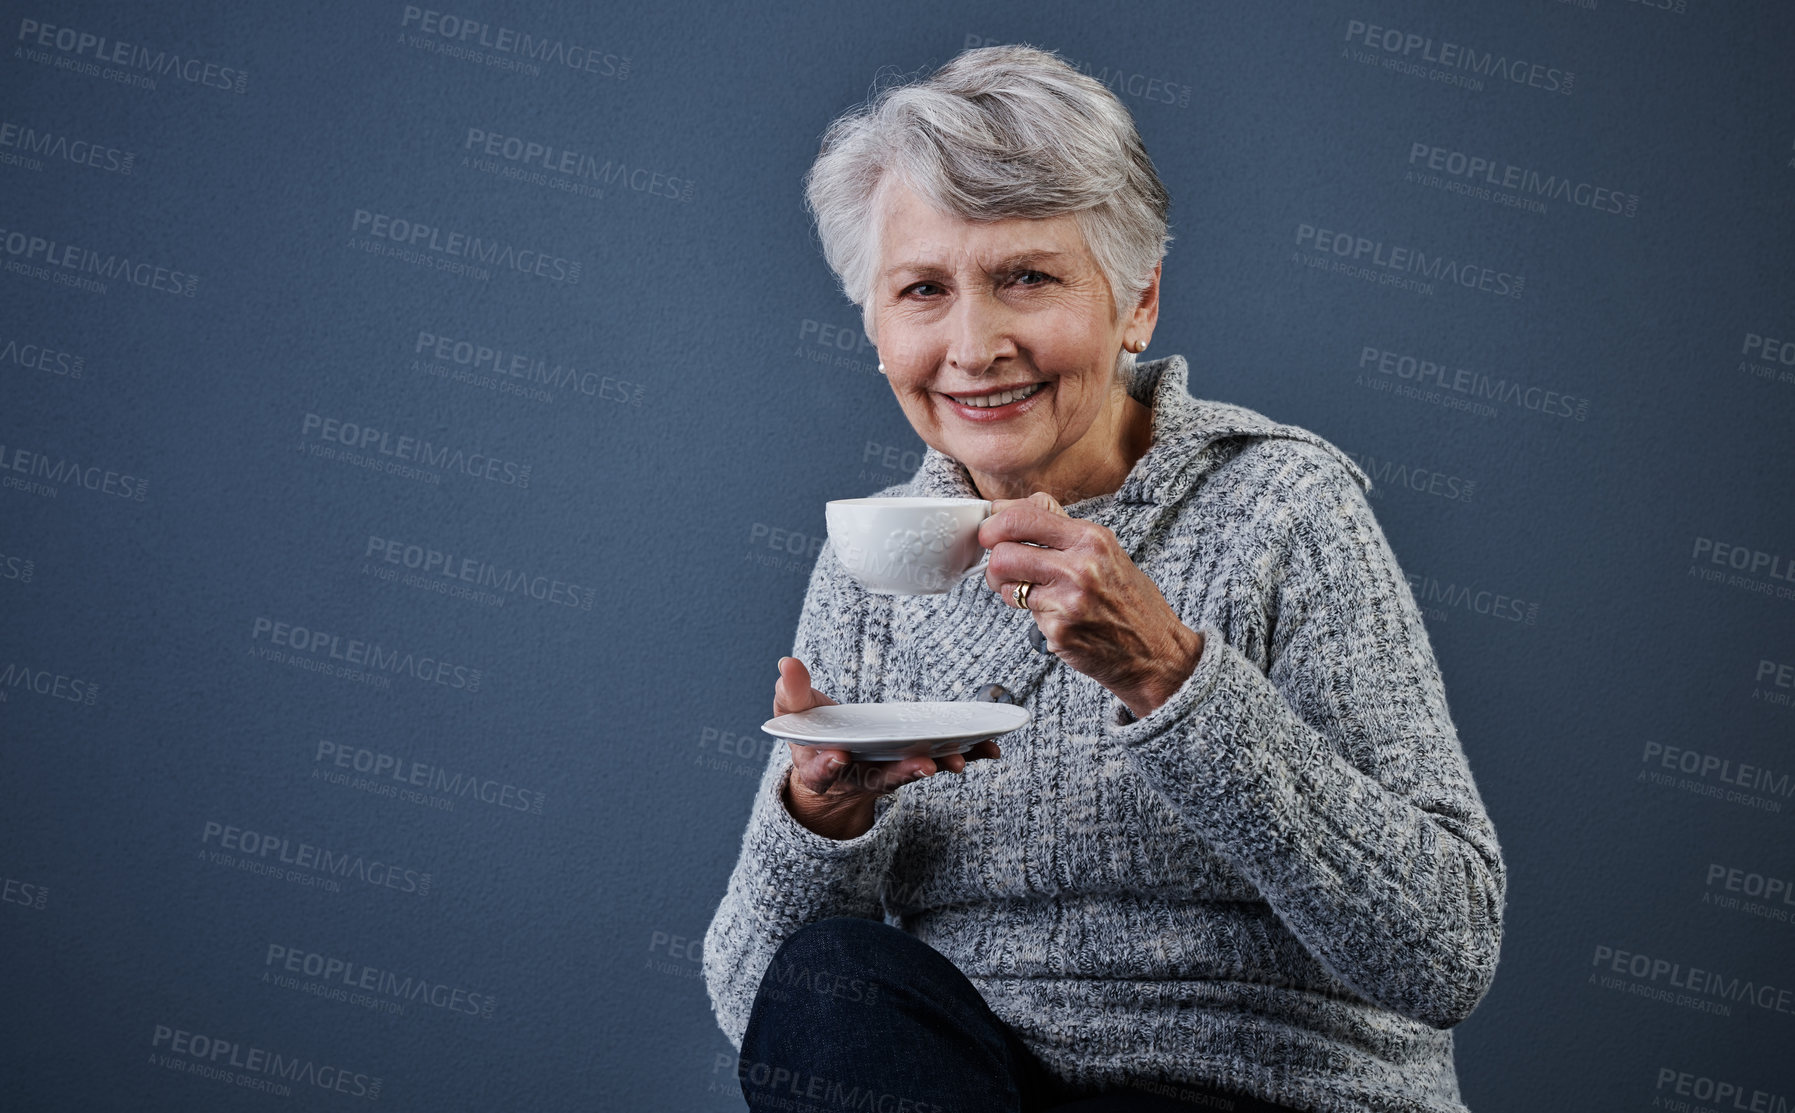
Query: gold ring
(1019, 594)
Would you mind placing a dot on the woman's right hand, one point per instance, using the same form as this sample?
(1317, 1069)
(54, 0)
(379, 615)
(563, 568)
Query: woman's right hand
(828, 791)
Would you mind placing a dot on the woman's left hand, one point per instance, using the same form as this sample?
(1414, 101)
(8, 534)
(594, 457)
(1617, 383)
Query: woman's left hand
(1098, 611)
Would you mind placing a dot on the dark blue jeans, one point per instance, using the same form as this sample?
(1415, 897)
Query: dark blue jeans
(853, 1013)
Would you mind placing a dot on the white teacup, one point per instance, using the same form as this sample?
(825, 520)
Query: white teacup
(906, 546)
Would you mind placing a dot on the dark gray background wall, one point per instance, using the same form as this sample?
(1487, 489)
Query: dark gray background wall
(254, 365)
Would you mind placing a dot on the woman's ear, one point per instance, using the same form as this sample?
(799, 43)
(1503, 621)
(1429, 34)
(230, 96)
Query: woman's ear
(1146, 311)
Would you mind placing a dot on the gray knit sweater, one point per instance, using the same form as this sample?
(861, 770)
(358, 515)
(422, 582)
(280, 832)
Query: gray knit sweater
(1282, 881)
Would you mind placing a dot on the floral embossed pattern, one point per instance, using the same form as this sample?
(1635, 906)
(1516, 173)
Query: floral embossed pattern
(936, 536)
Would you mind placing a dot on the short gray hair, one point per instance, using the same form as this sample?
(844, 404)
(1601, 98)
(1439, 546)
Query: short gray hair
(999, 132)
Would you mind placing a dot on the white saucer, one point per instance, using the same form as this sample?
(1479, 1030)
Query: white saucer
(889, 731)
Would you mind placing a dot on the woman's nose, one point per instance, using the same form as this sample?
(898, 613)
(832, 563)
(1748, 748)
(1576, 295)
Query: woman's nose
(978, 334)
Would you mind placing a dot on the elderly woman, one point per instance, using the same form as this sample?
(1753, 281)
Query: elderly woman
(1236, 860)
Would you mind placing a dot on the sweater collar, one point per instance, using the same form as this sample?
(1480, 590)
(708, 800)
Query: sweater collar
(1186, 435)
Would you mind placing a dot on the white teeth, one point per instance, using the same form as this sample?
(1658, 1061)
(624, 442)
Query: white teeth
(986, 401)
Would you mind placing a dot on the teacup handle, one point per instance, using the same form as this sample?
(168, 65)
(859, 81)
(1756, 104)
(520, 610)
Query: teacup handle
(985, 554)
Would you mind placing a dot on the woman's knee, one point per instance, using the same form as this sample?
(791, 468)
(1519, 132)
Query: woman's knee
(826, 974)
(846, 963)
(844, 958)
(848, 946)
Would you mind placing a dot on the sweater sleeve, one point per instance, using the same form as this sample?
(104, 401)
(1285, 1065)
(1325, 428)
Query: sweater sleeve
(1334, 780)
(786, 875)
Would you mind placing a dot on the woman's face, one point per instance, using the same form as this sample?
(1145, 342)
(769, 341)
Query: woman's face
(966, 311)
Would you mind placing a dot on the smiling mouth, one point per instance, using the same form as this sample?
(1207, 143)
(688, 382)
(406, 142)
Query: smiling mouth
(998, 398)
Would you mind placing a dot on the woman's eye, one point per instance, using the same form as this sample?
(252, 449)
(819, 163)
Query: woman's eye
(1033, 278)
(921, 289)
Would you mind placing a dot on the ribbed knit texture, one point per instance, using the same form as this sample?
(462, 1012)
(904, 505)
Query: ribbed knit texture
(1282, 881)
